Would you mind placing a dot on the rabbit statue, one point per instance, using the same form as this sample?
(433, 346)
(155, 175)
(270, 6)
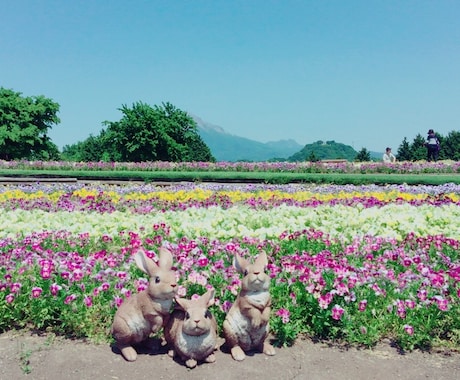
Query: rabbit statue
(191, 332)
(149, 310)
(246, 325)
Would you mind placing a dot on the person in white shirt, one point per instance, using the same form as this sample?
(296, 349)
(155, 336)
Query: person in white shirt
(432, 146)
(388, 157)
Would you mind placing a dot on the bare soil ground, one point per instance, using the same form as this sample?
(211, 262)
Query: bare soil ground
(28, 356)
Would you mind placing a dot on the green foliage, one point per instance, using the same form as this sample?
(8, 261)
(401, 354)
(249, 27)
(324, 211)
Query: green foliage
(404, 151)
(324, 150)
(156, 133)
(24, 123)
(144, 133)
(450, 146)
(363, 155)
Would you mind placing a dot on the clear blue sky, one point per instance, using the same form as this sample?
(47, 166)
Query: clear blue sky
(364, 73)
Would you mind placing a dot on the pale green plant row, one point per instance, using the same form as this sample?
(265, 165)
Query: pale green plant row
(343, 222)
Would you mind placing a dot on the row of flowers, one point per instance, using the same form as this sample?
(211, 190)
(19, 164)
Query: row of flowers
(296, 167)
(356, 271)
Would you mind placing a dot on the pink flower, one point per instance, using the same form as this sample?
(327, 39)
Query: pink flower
(45, 273)
(422, 294)
(409, 329)
(362, 305)
(88, 300)
(337, 312)
(9, 298)
(324, 300)
(202, 261)
(437, 280)
(70, 299)
(36, 292)
(442, 303)
(226, 306)
(118, 301)
(54, 289)
(284, 314)
(15, 286)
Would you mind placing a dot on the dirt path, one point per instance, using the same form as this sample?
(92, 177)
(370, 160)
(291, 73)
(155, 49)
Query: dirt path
(23, 356)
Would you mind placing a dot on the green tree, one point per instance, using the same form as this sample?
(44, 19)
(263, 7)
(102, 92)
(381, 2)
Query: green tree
(312, 157)
(24, 123)
(418, 149)
(147, 133)
(404, 151)
(450, 146)
(363, 155)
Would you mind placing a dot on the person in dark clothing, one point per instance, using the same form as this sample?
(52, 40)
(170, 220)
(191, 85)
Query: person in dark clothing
(432, 146)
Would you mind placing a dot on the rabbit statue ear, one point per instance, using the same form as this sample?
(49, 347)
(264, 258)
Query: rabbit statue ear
(208, 298)
(262, 259)
(145, 264)
(165, 258)
(240, 263)
(183, 303)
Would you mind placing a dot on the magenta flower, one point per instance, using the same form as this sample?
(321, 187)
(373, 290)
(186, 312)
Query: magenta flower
(202, 261)
(15, 286)
(45, 273)
(36, 292)
(409, 329)
(337, 312)
(88, 300)
(437, 280)
(54, 289)
(70, 298)
(324, 300)
(362, 305)
(443, 304)
(226, 306)
(118, 301)
(9, 298)
(284, 314)
(422, 294)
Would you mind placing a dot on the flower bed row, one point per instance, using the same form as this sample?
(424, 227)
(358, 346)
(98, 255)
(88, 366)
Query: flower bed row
(403, 167)
(351, 263)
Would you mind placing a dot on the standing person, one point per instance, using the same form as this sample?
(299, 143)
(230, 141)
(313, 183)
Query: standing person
(432, 146)
(388, 157)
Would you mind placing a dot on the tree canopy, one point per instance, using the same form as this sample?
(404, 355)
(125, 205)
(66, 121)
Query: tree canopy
(24, 123)
(145, 133)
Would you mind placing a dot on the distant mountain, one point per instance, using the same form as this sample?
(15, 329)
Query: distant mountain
(228, 147)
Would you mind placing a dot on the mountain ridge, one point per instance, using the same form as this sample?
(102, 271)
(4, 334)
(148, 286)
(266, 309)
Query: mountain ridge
(232, 148)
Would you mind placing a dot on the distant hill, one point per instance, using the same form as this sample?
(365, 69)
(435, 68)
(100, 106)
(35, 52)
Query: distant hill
(323, 150)
(228, 147)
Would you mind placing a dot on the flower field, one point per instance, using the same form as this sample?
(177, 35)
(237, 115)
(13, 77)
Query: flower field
(350, 263)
